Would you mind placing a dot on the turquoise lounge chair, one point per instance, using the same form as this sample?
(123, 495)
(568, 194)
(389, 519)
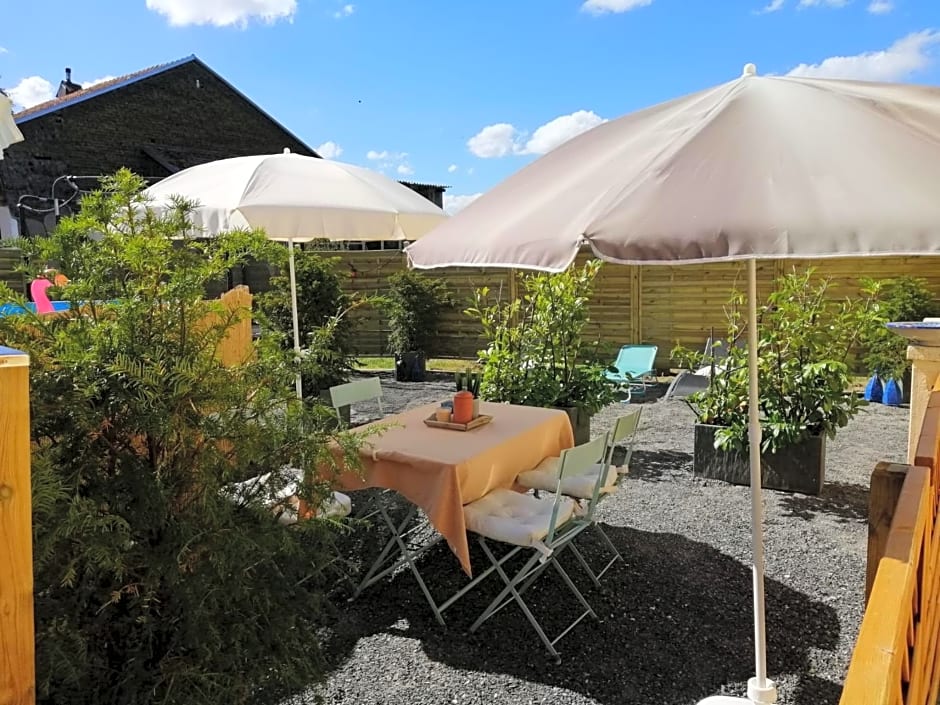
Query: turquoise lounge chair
(635, 372)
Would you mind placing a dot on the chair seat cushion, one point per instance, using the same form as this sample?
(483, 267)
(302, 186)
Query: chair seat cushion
(337, 506)
(514, 518)
(260, 486)
(544, 477)
(283, 500)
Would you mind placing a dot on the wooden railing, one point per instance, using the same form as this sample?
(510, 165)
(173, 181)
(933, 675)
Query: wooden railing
(895, 657)
(17, 635)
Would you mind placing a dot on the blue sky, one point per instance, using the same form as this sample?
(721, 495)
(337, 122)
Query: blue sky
(465, 92)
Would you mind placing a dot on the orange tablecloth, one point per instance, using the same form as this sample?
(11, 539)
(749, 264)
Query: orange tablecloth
(440, 470)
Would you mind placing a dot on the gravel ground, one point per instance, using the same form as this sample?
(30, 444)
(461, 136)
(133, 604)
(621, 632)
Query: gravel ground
(677, 622)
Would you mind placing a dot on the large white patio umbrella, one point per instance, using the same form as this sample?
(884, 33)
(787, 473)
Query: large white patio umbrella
(298, 199)
(9, 132)
(760, 167)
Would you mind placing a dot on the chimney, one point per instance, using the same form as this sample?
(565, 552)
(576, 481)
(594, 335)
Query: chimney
(66, 87)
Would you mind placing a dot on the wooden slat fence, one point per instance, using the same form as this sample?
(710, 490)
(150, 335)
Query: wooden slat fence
(661, 305)
(895, 661)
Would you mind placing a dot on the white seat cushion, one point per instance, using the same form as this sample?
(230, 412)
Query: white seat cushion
(283, 501)
(514, 518)
(337, 506)
(241, 492)
(544, 477)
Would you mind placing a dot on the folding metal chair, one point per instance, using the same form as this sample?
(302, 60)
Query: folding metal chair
(543, 525)
(580, 487)
(397, 552)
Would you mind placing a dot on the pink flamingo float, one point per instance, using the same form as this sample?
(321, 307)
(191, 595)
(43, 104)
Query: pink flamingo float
(38, 287)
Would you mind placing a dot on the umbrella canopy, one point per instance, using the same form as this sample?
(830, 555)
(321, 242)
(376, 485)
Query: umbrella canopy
(760, 167)
(9, 132)
(757, 167)
(293, 197)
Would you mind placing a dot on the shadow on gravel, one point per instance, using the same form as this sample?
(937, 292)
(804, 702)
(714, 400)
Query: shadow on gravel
(677, 624)
(656, 465)
(843, 501)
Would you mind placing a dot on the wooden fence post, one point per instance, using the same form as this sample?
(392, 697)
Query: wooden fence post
(17, 638)
(887, 479)
(636, 305)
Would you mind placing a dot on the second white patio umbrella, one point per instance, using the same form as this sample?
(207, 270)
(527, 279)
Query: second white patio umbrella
(759, 167)
(297, 199)
(9, 132)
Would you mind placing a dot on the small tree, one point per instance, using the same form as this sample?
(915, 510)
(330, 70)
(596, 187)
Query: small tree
(326, 329)
(152, 584)
(536, 353)
(902, 299)
(414, 305)
(805, 338)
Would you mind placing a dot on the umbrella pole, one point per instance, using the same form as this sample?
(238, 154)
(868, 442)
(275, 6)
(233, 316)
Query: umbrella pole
(759, 689)
(298, 383)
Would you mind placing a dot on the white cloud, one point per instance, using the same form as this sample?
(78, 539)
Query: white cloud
(385, 156)
(903, 58)
(558, 131)
(222, 13)
(455, 204)
(880, 7)
(772, 6)
(452, 168)
(824, 3)
(602, 7)
(391, 160)
(96, 81)
(31, 91)
(502, 139)
(329, 150)
(494, 141)
(4, 50)
(344, 11)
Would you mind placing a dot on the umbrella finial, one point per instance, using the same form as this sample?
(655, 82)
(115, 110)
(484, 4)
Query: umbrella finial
(749, 70)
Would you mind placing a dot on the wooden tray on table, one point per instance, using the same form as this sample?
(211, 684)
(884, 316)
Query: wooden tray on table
(480, 420)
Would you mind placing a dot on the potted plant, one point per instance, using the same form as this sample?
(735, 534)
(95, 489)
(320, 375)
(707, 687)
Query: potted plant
(804, 342)
(414, 304)
(535, 354)
(902, 299)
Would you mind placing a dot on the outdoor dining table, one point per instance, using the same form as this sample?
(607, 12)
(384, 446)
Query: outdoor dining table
(440, 470)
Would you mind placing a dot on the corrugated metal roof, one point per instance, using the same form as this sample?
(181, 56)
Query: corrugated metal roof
(98, 89)
(417, 183)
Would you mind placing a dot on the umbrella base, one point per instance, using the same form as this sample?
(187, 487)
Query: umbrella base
(755, 696)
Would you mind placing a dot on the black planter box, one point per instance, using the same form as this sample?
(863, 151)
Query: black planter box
(799, 468)
(410, 367)
(580, 424)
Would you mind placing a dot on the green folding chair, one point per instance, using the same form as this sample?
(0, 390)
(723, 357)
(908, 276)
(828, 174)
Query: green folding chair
(580, 486)
(356, 392)
(543, 526)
